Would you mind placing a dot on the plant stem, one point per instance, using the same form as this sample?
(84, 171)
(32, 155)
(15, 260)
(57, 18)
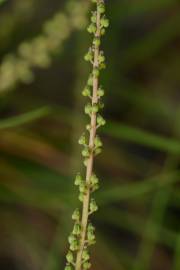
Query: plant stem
(89, 168)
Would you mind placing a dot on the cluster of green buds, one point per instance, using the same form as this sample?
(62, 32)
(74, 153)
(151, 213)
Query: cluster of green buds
(83, 233)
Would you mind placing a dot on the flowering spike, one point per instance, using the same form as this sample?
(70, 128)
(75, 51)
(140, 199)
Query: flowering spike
(83, 234)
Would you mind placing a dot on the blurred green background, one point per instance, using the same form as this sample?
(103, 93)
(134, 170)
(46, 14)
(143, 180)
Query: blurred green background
(42, 73)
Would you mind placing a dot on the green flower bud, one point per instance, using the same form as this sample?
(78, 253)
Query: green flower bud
(101, 105)
(77, 229)
(81, 197)
(93, 206)
(90, 80)
(89, 56)
(100, 120)
(94, 17)
(71, 239)
(96, 72)
(100, 92)
(97, 142)
(103, 31)
(88, 109)
(101, 8)
(88, 127)
(95, 108)
(85, 162)
(85, 152)
(86, 265)
(102, 66)
(90, 228)
(94, 180)
(68, 267)
(78, 180)
(74, 245)
(91, 28)
(86, 92)
(82, 140)
(76, 215)
(97, 41)
(83, 188)
(101, 57)
(95, 187)
(97, 151)
(104, 22)
(70, 257)
(85, 255)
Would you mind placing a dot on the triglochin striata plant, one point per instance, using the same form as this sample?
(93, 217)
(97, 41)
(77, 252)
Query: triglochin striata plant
(83, 234)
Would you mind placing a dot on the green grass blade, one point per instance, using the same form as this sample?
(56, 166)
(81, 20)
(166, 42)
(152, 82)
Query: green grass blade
(25, 118)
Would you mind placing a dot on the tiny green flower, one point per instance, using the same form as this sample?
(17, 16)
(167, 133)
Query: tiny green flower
(101, 8)
(96, 72)
(86, 265)
(78, 179)
(92, 28)
(70, 257)
(93, 206)
(77, 229)
(85, 255)
(81, 196)
(86, 92)
(82, 140)
(85, 152)
(68, 267)
(97, 142)
(100, 120)
(104, 22)
(76, 215)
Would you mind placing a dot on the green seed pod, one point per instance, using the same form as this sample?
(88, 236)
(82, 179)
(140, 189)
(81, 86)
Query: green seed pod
(69, 257)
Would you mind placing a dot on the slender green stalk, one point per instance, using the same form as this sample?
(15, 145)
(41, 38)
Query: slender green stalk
(83, 234)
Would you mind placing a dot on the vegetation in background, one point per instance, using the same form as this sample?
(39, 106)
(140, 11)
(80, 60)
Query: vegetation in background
(137, 226)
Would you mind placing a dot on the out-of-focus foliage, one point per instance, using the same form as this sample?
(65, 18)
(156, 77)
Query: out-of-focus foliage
(42, 44)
